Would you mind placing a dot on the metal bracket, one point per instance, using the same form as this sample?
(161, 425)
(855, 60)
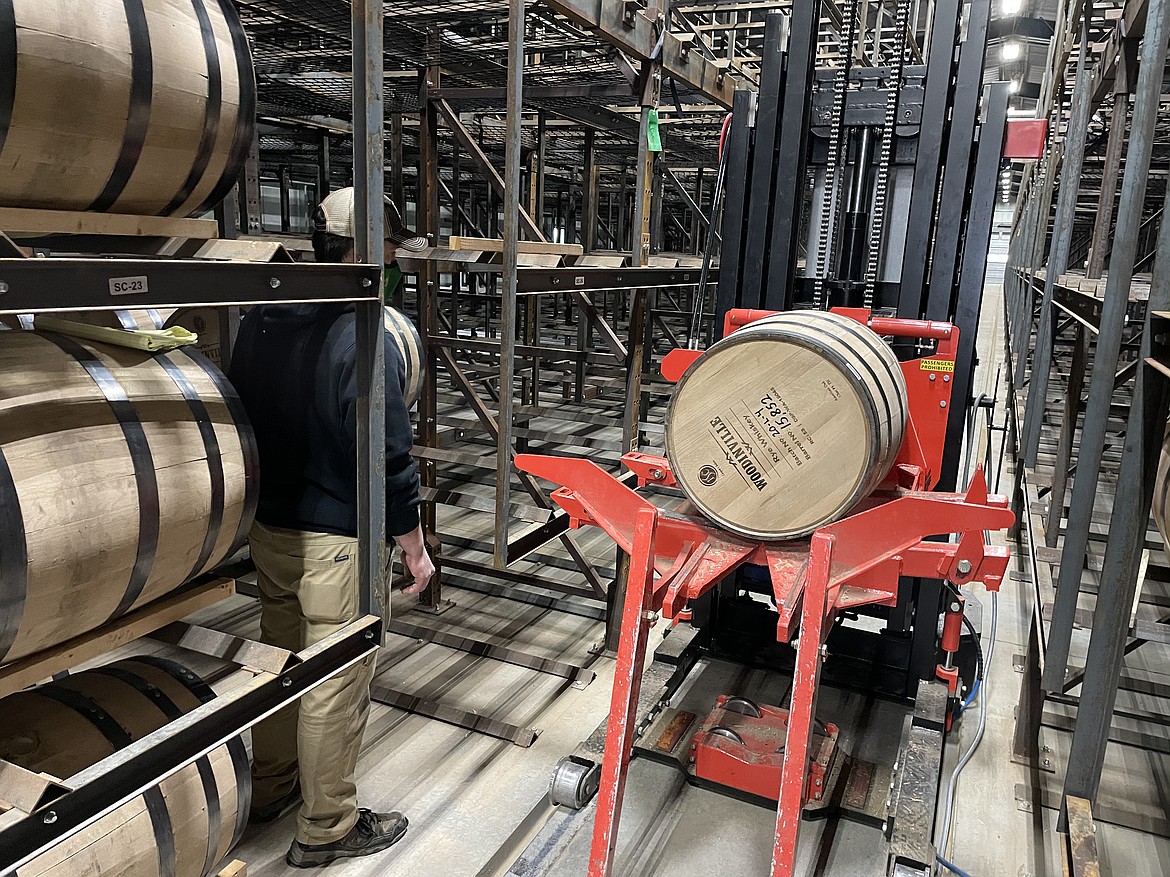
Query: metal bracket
(9, 249)
(630, 10)
(721, 65)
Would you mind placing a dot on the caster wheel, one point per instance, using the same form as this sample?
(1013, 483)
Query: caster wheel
(574, 782)
(743, 706)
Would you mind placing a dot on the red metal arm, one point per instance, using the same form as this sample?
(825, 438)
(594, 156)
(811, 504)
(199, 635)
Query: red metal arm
(627, 684)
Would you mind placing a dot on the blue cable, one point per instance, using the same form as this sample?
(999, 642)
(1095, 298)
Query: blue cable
(980, 669)
(953, 868)
(970, 697)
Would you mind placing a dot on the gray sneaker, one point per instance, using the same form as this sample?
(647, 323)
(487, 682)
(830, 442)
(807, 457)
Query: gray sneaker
(373, 833)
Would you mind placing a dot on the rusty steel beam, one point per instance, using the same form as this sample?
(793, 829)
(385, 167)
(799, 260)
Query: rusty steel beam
(636, 34)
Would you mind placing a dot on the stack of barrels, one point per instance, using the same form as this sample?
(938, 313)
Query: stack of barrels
(122, 474)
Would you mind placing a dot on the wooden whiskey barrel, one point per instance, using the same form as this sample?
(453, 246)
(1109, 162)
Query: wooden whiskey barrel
(122, 475)
(204, 322)
(142, 106)
(406, 337)
(183, 827)
(1160, 505)
(783, 426)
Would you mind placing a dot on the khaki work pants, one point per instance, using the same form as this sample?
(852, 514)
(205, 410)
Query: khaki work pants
(308, 590)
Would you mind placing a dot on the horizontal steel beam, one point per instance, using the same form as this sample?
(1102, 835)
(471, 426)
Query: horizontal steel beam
(520, 578)
(637, 35)
(535, 93)
(113, 284)
(547, 353)
(523, 737)
(480, 585)
(481, 648)
(542, 280)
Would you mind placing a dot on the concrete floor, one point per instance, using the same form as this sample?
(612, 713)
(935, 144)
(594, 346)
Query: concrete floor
(1001, 824)
(475, 802)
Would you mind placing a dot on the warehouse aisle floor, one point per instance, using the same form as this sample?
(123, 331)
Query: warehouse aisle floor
(464, 792)
(1001, 824)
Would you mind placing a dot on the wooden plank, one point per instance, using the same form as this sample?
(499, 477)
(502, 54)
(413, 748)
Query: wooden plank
(602, 260)
(235, 869)
(539, 260)
(249, 654)
(245, 251)
(32, 669)
(23, 790)
(492, 245)
(19, 220)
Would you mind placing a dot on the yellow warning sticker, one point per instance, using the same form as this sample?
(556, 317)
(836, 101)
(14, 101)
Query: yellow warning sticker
(938, 365)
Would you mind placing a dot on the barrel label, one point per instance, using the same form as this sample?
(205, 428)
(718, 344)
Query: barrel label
(937, 365)
(739, 454)
(759, 438)
(128, 285)
(787, 438)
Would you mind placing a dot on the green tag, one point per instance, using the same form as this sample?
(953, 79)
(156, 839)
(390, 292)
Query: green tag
(393, 278)
(653, 138)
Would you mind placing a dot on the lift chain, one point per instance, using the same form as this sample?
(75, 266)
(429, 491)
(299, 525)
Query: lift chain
(830, 216)
(885, 158)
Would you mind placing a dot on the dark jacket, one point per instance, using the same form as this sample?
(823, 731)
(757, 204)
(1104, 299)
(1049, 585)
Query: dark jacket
(294, 368)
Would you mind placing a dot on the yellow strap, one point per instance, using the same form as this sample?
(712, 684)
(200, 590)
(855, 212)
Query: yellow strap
(150, 340)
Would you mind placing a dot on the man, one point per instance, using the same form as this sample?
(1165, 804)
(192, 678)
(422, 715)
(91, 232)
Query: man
(294, 368)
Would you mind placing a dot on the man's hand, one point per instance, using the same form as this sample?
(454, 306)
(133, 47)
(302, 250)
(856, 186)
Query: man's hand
(416, 560)
(421, 568)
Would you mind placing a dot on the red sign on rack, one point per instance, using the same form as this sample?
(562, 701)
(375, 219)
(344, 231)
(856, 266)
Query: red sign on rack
(1025, 138)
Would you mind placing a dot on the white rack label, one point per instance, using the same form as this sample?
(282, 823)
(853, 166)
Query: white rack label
(128, 285)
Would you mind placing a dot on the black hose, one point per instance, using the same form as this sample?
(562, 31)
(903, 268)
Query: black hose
(978, 665)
